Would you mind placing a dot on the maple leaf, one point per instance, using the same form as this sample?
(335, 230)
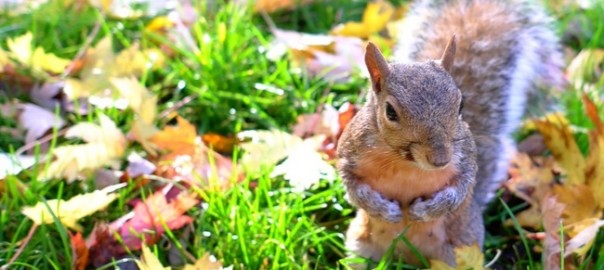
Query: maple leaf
(102, 64)
(148, 218)
(594, 168)
(266, 147)
(144, 105)
(148, 261)
(105, 143)
(21, 49)
(560, 141)
(69, 212)
(80, 251)
(191, 160)
(207, 262)
(274, 5)
(466, 257)
(375, 17)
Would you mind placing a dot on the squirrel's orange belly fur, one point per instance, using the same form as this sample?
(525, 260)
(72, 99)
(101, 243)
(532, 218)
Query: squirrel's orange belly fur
(372, 236)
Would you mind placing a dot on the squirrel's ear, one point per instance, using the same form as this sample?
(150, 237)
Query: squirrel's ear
(446, 61)
(376, 65)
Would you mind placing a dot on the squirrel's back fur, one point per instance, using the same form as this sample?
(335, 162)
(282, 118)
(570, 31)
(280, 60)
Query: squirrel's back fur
(504, 48)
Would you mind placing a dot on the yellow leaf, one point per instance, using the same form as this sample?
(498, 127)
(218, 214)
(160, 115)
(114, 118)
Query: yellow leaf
(21, 48)
(105, 143)
(4, 60)
(594, 171)
(466, 257)
(148, 261)
(69, 212)
(584, 66)
(579, 202)
(144, 105)
(469, 257)
(438, 265)
(377, 14)
(159, 23)
(206, 262)
(560, 141)
(48, 62)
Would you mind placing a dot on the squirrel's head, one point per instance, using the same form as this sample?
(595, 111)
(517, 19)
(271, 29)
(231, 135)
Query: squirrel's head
(418, 107)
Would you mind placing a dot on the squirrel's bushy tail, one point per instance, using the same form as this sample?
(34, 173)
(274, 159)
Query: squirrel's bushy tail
(504, 49)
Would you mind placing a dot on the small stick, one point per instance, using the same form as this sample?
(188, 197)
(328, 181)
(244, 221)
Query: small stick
(22, 247)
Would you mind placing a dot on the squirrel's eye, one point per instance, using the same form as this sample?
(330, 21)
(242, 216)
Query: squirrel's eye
(391, 113)
(461, 105)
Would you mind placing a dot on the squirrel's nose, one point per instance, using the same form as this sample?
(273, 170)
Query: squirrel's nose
(439, 157)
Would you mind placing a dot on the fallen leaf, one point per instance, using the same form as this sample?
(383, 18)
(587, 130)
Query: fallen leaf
(37, 59)
(264, 148)
(179, 139)
(560, 141)
(314, 169)
(80, 251)
(144, 105)
(206, 262)
(105, 143)
(375, 17)
(138, 166)
(219, 143)
(12, 165)
(149, 217)
(466, 257)
(583, 240)
(594, 168)
(552, 219)
(37, 121)
(586, 67)
(69, 212)
(148, 261)
(579, 202)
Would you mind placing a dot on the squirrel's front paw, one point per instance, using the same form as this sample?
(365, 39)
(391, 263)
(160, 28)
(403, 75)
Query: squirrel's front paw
(440, 204)
(377, 206)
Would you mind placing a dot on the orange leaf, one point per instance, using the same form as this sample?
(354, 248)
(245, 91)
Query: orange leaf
(179, 139)
(219, 143)
(579, 201)
(81, 251)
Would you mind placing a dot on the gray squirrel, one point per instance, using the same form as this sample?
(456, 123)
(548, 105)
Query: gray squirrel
(432, 143)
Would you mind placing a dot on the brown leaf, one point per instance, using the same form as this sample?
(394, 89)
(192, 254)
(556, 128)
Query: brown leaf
(80, 251)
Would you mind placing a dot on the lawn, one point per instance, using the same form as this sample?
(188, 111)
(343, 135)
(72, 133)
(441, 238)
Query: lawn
(182, 129)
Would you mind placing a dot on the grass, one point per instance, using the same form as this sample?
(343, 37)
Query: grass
(260, 223)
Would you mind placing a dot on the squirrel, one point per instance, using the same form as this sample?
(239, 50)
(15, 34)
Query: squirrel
(430, 146)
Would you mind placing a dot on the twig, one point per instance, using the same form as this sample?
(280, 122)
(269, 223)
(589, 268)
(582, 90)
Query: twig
(82, 51)
(177, 105)
(22, 247)
(44, 139)
(497, 255)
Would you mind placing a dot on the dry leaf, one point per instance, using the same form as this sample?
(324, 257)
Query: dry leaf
(21, 49)
(80, 250)
(466, 257)
(579, 201)
(586, 67)
(148, 218)
(105, 143)
(37, 121)
(148, 261)
(560, 141)
(266, 148)
(69, 212)
(584, 236)
(206, 262)
(219, 143)
(377, 14)
(594, 170)
(552, 219)
(144, 105)
(11, 164)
